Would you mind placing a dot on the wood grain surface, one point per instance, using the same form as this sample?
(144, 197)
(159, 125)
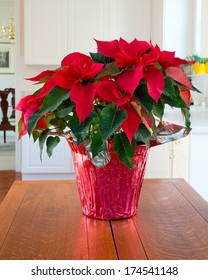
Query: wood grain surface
(43, 220)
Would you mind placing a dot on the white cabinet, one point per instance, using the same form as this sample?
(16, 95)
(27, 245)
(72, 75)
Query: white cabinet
(159, 163)
(190, 154)
(185, 158)
(58, 166)
(198, 163)
(45, 31)
(54, 28)
(170, 160)
(180, 158)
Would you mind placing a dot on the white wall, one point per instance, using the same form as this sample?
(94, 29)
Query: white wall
(173, 25)
(203, 51)
(7, 81)
(6, 10)
(179, 26)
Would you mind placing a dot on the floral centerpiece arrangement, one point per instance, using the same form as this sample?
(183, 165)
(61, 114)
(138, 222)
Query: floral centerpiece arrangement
(117, 94)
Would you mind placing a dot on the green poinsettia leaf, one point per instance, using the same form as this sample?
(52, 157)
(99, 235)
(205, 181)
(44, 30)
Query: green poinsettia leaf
(19, 127)
(42, 139)
(174, 102)
(173, 99)
(109, 69)
(81, 130)
(51, 143)
(154, 129)
(169, 88)
(35, 135)
(65, 108)
(65, 112)
(32, 122)
(110, 120)
(55, 122)
(124, 149)
(143, 135)
(142, 95)
(100, 58)
(97, 144)
(171, 94)
(187, 116)
(158, 109)
(53, 99)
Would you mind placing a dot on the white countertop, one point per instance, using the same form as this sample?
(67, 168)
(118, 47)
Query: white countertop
(199, 118)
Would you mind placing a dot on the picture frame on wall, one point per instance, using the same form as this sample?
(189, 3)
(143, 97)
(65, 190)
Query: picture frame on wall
(7, 58)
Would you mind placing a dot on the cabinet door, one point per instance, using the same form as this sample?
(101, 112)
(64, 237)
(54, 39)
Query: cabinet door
(45, 31)
(87, 20)
(129, 19)
(170, 160)
(106, 20)
(54, 28)
(181, 158)
(58, 166)
(159, 164)
(198, 163)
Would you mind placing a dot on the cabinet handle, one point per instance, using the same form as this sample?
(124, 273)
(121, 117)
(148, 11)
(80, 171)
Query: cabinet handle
(171, 156)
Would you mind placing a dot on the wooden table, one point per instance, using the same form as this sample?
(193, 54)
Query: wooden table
(43, 220)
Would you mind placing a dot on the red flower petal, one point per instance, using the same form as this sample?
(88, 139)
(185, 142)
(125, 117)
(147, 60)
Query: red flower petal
(150, 58)
(43, 76)
(178, 75)
(28, 105)
(129, 54)
(130, 79)
(41, 123)
(77, 59)
(168, 59)
(83, 96)
(131, 124)
(155, 82)
(108, 91)
(134, 48)
(67, 77)
(47, 87)
(185, 95)
(22, 105)
(24, 126)
(107, 48)
(78, 67)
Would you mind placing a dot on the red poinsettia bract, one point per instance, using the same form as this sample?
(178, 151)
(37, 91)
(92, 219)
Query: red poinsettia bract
(29, 105)
(78, 70)
(138, 59)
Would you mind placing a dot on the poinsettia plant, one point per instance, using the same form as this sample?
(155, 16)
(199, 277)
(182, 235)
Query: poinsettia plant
(117, 94)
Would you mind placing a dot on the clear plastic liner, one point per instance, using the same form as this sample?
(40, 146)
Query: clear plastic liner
(168, 132)
(101, 159)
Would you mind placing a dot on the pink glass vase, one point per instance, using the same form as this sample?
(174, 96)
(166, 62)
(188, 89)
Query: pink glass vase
(111, 192)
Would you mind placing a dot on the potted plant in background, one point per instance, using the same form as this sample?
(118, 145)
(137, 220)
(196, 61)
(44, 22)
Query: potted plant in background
(200, 64)
(109, 106)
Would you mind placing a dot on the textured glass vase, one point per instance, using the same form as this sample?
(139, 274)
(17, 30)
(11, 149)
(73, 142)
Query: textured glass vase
(110, 192)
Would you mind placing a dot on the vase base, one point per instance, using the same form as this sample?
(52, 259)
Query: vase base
(107, 215)
(121, 217)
